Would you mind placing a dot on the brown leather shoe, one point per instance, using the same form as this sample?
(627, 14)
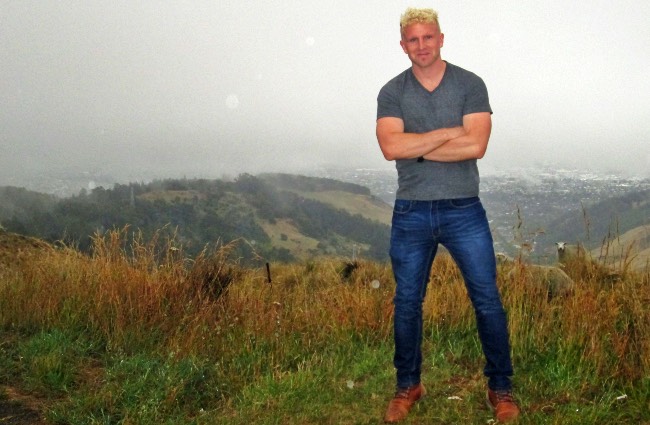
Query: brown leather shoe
(402, 402)
(503, 404)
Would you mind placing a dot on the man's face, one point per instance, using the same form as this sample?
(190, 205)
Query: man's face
(422, 43)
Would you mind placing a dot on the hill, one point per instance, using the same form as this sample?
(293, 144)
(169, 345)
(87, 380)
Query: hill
(18, 201)
(631, 250)
(16, 249)
(603, 223)
(274, 216)
(350, 197)
(287, 217)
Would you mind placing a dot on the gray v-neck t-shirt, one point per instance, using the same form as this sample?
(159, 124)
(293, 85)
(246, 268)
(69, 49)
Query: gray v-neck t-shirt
(459, 93)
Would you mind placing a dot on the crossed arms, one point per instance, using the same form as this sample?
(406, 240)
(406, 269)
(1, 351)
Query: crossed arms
(443, 145)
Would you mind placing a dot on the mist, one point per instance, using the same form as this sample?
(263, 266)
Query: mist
(152, 89)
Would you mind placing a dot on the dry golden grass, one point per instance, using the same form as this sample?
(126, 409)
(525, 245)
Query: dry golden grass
(148, 297)
(148, 289)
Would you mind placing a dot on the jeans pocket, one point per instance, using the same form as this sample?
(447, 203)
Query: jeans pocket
(403, 206)
(464, 202)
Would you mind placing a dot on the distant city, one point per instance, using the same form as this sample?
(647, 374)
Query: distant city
(520, 202)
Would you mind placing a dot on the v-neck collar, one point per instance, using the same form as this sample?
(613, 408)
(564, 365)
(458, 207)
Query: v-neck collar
(444, 75)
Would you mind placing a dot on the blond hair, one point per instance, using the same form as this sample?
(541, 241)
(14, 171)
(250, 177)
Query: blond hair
(417, 16)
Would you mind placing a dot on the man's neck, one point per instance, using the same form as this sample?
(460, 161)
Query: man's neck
(430, 76)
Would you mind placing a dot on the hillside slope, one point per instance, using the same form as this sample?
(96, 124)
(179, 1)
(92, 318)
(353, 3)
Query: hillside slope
(16, 249)
(599, 223)
(350, 197)
(631, 249)
(273, 216)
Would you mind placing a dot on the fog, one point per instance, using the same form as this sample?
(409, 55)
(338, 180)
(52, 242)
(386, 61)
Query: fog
(149, 89)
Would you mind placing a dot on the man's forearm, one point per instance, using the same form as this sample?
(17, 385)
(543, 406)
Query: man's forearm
(458, 149)
(472, 144)
(396, 144)
(414, 145)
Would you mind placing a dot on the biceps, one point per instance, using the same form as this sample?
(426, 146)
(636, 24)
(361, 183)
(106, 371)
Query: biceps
(478, 126)
(388, 126)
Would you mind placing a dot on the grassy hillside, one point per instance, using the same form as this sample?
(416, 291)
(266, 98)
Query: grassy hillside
(601, 222)
(366, 206)
(350, 197)
(281, 217)
(292, 218)
(129, 336)
(629, 250)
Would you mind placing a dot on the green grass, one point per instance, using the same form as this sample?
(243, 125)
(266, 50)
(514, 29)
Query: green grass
(141, 338)
(142, 390)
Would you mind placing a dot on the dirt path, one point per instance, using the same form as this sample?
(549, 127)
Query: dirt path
(19, 409)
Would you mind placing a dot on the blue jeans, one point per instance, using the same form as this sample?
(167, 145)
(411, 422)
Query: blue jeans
(461, 226)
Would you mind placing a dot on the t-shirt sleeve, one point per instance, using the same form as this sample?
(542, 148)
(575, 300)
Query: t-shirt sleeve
(476, 99)
(388, 104)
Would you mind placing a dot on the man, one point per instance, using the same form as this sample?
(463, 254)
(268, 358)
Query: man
(434, 121)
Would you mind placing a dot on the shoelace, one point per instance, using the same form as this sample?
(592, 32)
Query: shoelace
(504, 397)
(402, 393)
(405, 392)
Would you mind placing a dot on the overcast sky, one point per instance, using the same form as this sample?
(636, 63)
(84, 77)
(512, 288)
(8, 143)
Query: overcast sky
(206, 88)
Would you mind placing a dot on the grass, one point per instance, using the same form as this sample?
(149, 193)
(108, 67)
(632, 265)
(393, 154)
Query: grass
(140, 334)
(352, 203)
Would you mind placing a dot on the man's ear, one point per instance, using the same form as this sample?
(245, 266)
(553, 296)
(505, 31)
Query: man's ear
(403, 45)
